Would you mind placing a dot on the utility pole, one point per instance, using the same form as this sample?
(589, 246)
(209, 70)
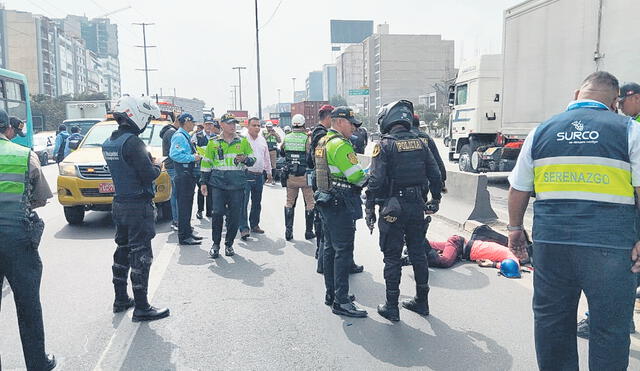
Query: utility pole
(239, 83)
(293, 99)
(278, 98)
(145, 47)
(235, 97)
(258, 62)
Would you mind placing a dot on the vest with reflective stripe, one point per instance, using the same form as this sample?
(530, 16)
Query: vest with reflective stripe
(295, 147)
(125, 177)
(582, 179)
(14, 172)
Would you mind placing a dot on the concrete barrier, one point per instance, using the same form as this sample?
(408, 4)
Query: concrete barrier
(467, 199)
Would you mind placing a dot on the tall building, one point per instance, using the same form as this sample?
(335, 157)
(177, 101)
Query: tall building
(328, 81)
(54, 54)
(299, 96)
(404, 66)
(314, 86)
(349, 74)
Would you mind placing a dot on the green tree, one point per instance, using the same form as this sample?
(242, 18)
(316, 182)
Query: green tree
(337, 100)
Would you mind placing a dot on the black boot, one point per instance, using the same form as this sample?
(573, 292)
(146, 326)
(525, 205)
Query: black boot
(149, 314)
(419, 304)
(308, 216)
(120, 305)
(389, 310)
(288, 223)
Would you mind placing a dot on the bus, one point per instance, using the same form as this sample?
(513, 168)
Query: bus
(14, 99)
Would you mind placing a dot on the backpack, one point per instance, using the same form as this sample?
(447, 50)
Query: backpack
(74, 141)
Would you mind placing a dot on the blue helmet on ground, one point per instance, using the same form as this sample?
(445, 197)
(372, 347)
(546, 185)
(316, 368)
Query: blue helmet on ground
(510, 268)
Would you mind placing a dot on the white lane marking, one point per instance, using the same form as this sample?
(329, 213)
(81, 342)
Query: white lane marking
(114, 355)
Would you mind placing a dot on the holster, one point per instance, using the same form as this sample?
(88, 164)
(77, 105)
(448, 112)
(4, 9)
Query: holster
(35, 226)
(323, 198)
(284, 177)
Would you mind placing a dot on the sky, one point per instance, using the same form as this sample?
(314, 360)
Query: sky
(197, 42)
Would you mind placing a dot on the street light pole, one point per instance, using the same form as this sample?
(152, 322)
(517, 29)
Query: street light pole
(235, 97)
(145, 47)
(294, 89)
(258, 63)
(239, 83)
(278, 98)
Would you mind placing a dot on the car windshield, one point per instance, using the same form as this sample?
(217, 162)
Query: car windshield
(99, 133)
(84, 126)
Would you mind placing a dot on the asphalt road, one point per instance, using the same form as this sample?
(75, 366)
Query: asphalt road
(263, 308)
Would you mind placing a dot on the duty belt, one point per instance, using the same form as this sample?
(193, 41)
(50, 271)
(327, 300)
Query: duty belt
(408, 192)
(342, 186)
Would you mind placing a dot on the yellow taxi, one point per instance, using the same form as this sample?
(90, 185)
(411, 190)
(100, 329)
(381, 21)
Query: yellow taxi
(84, 180)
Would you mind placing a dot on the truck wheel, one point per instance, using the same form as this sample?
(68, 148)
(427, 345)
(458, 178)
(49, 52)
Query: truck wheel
(464, 163)
(74, 214)
(44, 159)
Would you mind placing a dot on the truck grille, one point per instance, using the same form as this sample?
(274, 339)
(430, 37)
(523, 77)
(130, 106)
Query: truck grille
(94, 192)
(94, 172)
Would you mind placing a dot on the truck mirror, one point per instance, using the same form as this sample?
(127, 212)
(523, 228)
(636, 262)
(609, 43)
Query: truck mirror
(497, 98)
(452, 99)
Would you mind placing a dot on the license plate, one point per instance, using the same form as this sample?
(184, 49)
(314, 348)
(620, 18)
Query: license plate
(490, 151)
(106, 188)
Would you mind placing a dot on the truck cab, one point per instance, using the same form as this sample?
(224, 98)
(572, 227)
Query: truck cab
(475, 100)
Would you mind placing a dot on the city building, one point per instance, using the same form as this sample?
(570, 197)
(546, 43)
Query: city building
(64, 56)
(349, 74)
(314, 86)
(193, 106)
(328, 81)
(404, 66)
(299, 96)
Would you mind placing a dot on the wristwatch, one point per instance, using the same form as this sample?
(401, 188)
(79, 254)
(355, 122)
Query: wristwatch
(515, 228)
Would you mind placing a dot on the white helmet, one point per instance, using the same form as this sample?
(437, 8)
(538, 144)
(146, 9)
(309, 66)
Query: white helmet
(136, 111)
(297, 120)
(287, 129)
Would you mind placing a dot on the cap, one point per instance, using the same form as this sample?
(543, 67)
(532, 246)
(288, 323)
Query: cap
(185, 117)
(629, 89)
(229, 118)
(326, 107)
(269, 124)
(345, 113)
(18, 125)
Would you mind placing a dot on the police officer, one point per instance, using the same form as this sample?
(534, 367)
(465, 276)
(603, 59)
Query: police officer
(294, 150)
(184, 156)
(133, 172)
(339, 178)
(402, 171)
(23, 188)
(225, 172)
(273, 138)
(629, 100)
(426, 138)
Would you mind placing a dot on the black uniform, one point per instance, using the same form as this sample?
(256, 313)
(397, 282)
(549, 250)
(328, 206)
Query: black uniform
(402, 171)
(133, 212)
(434, 151)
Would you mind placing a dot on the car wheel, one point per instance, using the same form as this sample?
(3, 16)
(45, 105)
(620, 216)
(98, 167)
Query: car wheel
(44, 159)
(464, 163)
(74, 214)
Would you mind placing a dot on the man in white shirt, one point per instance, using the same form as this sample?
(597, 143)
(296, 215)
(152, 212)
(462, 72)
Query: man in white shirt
(255, 180)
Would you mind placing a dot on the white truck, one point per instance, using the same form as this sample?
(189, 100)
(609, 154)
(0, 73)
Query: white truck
(549, 47)
(85, 114)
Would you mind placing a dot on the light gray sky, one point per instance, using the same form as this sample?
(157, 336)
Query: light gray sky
(198, 41)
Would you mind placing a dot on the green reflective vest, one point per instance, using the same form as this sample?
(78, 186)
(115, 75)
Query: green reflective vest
(219, 159)
(272, 141)
(14, 172)
(337, 162)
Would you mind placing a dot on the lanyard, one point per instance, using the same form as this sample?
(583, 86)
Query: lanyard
(189, 141)
(587, 104)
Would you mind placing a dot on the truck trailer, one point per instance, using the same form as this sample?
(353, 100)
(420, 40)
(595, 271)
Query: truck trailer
(549, 47)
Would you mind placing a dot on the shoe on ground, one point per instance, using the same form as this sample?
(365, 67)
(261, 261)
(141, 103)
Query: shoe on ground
(390, 312)
(309, 235)
(583, 328)
(244, 235)
(51, 362)
(199, 215)
(288, 235)
(208, 215)
(197, 238)
(328, 299)
(189, 241)
(420, 307)
(355, 268)
(348, 309)
(149, 314)
(121, 306)
(174, 226)
(228, 251)
(257, 229)
(214, 253)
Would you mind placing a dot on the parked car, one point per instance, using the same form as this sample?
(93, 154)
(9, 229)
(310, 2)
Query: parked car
(43, 144)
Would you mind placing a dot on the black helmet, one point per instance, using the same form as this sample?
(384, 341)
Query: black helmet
(399, 112)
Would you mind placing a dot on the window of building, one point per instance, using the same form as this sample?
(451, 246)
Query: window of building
(461, 94)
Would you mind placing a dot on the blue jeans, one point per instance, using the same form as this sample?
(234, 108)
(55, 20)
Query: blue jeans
(561, 273)
(174, 195)
(253, 191)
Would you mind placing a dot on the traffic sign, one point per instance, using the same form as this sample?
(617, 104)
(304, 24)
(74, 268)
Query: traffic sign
(358, 91)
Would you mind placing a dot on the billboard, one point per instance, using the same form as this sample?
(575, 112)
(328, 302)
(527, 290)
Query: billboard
(350, 32)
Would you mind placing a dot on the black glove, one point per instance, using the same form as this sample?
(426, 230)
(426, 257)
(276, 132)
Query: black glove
(432, 206)
(370, 218)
